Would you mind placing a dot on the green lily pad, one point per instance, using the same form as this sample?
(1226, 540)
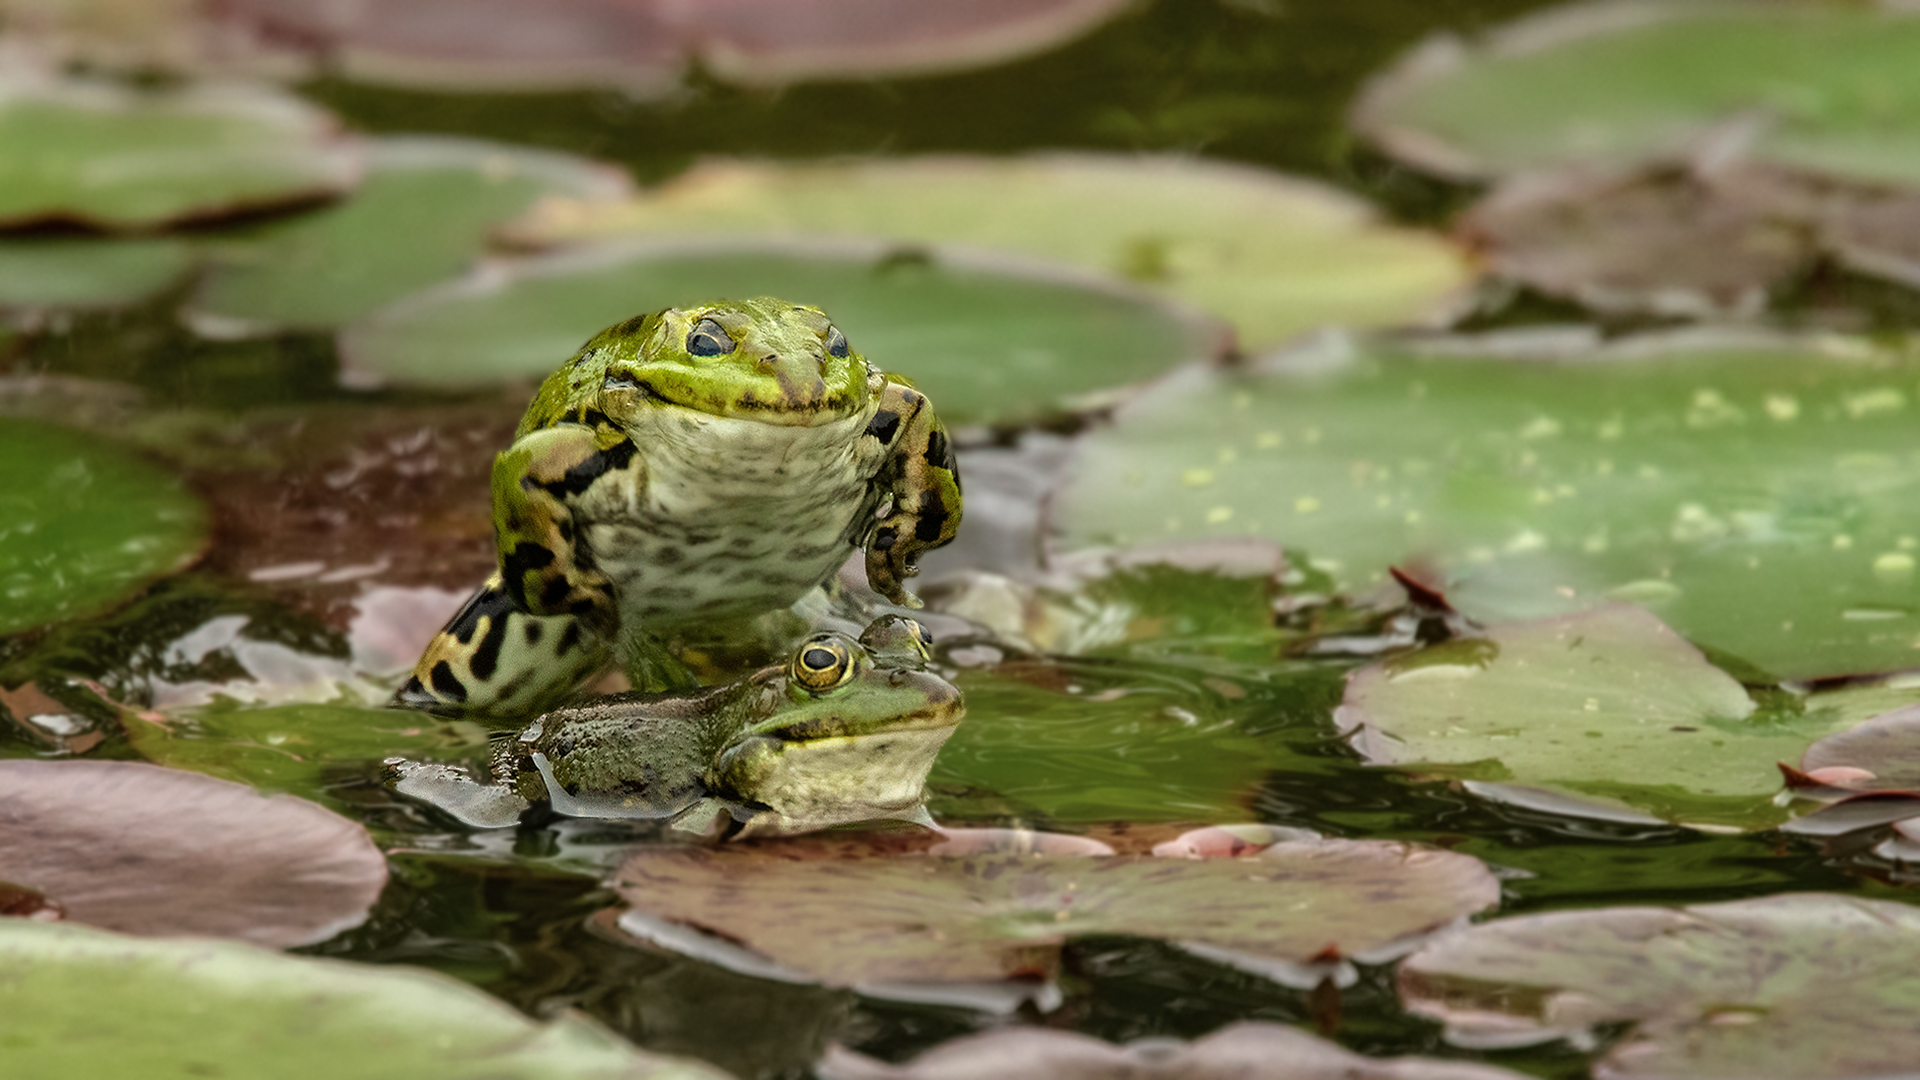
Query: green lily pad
(1274, 255)
(79, 1002)
(1244, 1049)
(1760, 498)
(131, 847)
(895, 913)
(302, 749)
(1608, 703)
(421, 217)
(987, 342)
(1831, 88)
(83, 525)
(1084, 743)
(107, 155)
(1795, 987)
(69, 274)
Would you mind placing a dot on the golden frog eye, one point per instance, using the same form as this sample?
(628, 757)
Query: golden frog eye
(822, 664)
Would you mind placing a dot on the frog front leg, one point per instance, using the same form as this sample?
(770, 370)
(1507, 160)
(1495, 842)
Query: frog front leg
(919, 477)
(544, 564)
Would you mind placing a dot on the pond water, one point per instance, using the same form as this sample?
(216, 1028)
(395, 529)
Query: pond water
(258, 392)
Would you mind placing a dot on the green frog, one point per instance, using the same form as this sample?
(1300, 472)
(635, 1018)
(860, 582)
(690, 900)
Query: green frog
(715, 461)
(845, 731)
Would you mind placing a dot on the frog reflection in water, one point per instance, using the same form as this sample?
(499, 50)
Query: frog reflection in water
(846, 731)
(694, 464)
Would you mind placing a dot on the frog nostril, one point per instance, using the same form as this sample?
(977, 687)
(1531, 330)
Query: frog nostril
(769, 361)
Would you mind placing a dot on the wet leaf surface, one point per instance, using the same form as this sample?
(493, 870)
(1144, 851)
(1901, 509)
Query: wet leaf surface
(79, 1002)
(144, 850)
(1608, 703)
(1236, 1051)
(420, 217)
(1821, 88)
(642, 45)
(1272, 254)
(1780, 988)
(907, 915)
(1753, 496)
(988, 342)
(100, 154)
(84, 524)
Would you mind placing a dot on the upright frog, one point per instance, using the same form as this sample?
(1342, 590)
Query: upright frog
(846, 731)
(717, 460)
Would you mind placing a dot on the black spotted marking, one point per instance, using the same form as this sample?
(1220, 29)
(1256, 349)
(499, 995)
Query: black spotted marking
(486, 659)
(884, 425)
(939, 450)
(884, 538)
(594, 418)
(631, 325)
(446, 683)
(533, 631)
(525, 558)
(553, 594)
(582, 476)
(569, 640)
(931, 524)
(492, 603)
(911, 397)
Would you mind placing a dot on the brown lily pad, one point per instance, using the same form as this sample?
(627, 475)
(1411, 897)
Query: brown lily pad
(1795, 987)
(899, 912)
(146, 850)
(1235, 1052)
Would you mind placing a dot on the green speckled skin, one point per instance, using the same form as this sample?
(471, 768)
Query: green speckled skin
(786, 749)
(714, 461)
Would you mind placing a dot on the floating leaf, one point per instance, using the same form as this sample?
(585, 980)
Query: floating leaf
(1273, 254)
(987, 342)
(1084, 743)
(94, 152)
(1608, 703)
(1794, 987)
(1761, 498)
(933, 918)
(299, 749)
(1827, 88)
(79, 1002)
(83, 525)
(145, 850)
(1245, 1049)
(39, 274)
(642, 45)
(421, 217)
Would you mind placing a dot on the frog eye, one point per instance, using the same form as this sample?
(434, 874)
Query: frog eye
(822, 664)
(836, 342)
(708, 339)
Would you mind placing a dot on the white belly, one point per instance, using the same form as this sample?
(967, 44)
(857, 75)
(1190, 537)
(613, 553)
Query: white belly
(729, 517)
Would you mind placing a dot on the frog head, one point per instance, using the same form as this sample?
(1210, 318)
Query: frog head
(763, 359)
(852, 738)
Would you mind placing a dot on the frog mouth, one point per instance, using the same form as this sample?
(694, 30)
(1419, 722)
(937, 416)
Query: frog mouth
(794, 406)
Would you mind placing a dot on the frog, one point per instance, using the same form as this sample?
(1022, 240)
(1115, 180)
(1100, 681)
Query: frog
(689, 465)
(845, 731)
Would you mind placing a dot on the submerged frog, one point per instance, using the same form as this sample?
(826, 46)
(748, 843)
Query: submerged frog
(846, 731)
(716, 461)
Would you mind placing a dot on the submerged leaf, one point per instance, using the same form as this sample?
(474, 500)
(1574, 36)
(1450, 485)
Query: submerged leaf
(1794, 987)
(1273, 254)
(145, 850)
(78, 1002)
(895, 914)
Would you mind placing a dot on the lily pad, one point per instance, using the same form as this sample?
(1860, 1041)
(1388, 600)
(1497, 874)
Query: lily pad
(643, 45)
(120, 158)
(926, 917)
(144, 850)
(988, 342)
(1237, 1051)
(421, 217)
(1080, 742)
(301, 749)
(1273, 254)
(1608, 703)
(1829, 88)
(41, 274)
(1759, 497)
(83, 525)
(1794, 987)
(79, 1002)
